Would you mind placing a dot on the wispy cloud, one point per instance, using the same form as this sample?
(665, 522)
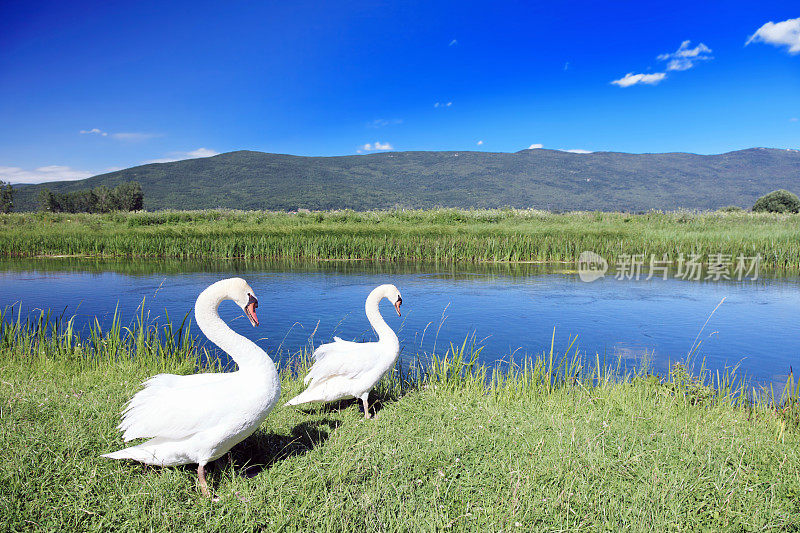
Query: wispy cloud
(442, 104)
(784, 33)
(538, 146)
(94, 131)
(122, 136)
(634, 79)
(180, 156)
(376, 146)
(480, 143)
(684, 57)
(453, 42)
(43, 174)
(793, 119)
(383, 122)
(202, 152)
(135, 136)
(566, 66)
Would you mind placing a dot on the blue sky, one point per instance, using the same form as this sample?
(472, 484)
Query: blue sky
(88, 87)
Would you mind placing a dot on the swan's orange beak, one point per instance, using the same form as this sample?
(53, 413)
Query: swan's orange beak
(250, 310)
(397, 305)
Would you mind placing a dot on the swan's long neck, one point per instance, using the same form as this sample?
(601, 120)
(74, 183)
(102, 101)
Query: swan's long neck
(385, 333)
(245, 352)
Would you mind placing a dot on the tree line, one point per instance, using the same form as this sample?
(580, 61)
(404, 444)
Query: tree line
(124, 197)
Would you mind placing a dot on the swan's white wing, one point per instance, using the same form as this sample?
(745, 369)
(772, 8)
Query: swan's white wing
(342, 358)
(175, 407)
(338, 345)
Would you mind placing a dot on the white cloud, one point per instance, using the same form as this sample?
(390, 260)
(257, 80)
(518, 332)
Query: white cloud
(377, 145)
(201, 152)
(134, 136)
(578, 151)
(122, 136)
(442, 104)
(684, 57)
(94, 131)
(633, 79)
(785, 33)
(43, 174)
(453, 42)
(480, 143)
(64, 173)
(535, 146)
(180, 156)
(381, 122)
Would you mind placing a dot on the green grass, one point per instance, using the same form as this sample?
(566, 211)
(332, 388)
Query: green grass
(557, 443)
(437, 235)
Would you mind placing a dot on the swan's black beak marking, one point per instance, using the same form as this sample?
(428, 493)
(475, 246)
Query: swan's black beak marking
(250, 310)
(397, 305)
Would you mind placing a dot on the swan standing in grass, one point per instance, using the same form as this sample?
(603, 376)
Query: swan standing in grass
(344, 369)
(198, 418)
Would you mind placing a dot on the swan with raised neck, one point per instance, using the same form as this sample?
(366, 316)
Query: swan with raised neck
(198, 418)
(344, 369)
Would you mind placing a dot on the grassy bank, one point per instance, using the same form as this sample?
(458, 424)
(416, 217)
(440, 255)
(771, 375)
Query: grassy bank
(549, 446)
(439, 235)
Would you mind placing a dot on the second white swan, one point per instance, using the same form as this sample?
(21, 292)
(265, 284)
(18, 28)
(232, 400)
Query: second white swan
(344, 369)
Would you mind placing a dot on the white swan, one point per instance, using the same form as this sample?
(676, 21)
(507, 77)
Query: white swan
(198, 418)
(344, 369)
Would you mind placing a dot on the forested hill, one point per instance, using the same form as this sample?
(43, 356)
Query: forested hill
(546, 179)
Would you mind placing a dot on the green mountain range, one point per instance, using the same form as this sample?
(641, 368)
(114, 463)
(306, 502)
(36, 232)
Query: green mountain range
(544, 179)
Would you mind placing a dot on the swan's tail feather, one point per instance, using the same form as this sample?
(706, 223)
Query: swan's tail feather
(299, 399)
(321, 391)
(142, 453)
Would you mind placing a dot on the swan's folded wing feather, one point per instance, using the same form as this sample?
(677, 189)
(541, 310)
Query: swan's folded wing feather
(341, 358)
(338, 345)
(175, 407)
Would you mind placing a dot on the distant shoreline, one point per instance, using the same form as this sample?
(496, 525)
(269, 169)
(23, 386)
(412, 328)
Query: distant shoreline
(492, 236)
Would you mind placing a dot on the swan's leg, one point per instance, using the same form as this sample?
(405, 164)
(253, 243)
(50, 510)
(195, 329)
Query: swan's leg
(201, 475)
(365, 403)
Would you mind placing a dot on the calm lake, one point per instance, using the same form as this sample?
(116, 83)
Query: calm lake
(511, 309)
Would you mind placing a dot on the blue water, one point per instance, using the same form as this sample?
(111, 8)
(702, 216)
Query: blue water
(511, 311)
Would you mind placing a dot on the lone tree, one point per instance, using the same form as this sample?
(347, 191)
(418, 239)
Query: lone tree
(6, 197)
(779, 201)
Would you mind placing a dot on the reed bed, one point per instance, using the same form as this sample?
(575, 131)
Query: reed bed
(436, 235)
(557, 441)
(50, 340)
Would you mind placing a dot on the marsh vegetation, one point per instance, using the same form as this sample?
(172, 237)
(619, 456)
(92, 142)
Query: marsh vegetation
(437, 235)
